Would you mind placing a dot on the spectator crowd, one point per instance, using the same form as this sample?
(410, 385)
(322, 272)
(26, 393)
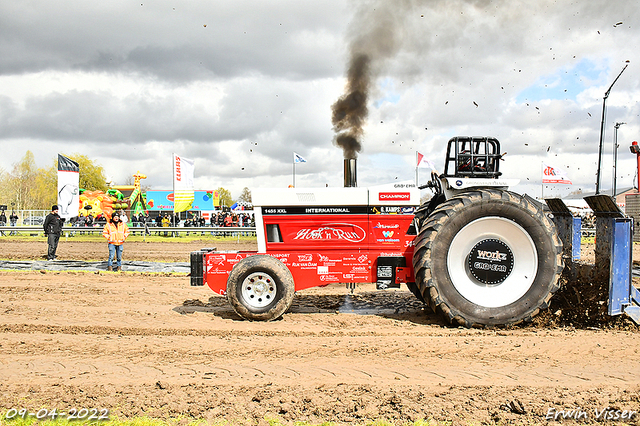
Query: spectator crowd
(220, 219)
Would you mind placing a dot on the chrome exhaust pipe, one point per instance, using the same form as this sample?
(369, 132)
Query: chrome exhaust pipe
(350, 178)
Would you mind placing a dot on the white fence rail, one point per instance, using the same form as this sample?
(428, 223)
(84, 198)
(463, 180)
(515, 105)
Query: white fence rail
(139, 230)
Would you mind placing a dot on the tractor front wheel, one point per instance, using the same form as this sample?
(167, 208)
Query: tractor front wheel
(260, 288)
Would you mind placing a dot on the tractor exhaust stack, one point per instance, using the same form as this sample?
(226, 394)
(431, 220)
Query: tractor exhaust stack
(350, 178)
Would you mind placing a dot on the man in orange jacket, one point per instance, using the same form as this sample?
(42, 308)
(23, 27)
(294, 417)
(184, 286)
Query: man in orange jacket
(116, 232)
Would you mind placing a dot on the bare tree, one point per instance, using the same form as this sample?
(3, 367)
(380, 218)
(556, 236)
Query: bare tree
(245, 195)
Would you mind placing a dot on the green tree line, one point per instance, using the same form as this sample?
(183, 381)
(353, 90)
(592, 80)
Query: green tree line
(29, 187)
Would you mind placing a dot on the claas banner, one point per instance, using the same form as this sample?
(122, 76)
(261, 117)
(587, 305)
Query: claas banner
(183, 172)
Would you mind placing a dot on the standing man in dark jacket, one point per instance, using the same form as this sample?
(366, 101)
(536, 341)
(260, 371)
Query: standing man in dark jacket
(3, 221)
(13, 219)
(53, 227)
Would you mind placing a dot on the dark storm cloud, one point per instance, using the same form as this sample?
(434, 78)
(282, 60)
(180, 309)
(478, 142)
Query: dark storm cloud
(113, 152)
(245, 112)
(173, 42)
(99, 116)
(209, 79)
(187, 63)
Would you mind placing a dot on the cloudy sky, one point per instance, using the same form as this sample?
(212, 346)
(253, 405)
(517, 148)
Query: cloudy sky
(239, 86)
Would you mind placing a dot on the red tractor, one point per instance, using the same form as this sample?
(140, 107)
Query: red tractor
(478, 253)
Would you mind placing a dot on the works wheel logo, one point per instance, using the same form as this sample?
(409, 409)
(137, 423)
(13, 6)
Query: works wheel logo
(488, 255)
(491, 261)
(394, 196)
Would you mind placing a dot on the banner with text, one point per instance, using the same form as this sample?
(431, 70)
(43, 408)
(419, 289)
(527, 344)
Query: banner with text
(183, 169)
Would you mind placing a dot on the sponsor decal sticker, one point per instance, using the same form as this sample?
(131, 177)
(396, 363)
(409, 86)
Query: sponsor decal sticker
(329, 278)
(216, 260)
(383, 226)
(394, 196)
(218, 271)
(324, 258)
(304, 265)
(282, 257)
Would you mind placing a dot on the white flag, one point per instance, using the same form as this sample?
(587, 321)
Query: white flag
(554, 175)
(183, 194)
(298, 158)
(425, 162)
(68, 187)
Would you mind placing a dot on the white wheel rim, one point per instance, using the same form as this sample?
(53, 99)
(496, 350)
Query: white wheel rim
(519, 280)
(258, 289)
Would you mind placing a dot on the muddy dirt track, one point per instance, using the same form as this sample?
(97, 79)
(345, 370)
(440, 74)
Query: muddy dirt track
(149, 344)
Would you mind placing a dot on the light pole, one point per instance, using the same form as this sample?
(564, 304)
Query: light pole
(604, 107)
(635, 149)
(615, 156)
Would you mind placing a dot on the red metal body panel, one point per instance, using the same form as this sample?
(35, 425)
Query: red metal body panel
(328, 248)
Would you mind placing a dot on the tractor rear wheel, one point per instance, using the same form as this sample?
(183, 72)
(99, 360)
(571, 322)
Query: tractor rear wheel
(488, 257)
(260, 288)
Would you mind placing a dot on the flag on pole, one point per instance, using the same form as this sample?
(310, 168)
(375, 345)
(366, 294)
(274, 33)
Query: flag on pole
(554, 175)
(298, 158)
(183, 194)
(424, 162)
(68, 187)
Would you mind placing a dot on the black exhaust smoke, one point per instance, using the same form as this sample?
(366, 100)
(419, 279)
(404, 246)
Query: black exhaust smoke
(373, 39)
(350, 111)
(349, 116)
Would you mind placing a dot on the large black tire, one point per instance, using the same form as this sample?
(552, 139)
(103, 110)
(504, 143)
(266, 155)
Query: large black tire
(488, 257)
(260, 288)
(413, 288)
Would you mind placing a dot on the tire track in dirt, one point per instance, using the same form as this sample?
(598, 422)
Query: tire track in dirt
(88, 372)
(271, 357)
(143, 345)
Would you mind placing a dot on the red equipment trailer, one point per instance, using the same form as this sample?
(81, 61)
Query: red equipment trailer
(314, 237)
